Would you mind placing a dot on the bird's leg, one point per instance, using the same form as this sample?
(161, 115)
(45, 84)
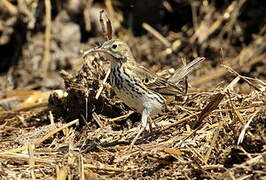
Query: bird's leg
(149, 126)
(144, 119)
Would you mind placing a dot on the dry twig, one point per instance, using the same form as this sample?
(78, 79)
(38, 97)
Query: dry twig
(47, 37)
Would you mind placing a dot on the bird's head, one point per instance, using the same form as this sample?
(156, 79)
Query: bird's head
(118, 50)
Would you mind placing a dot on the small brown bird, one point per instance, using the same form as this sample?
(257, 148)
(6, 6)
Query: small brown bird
(138, 87)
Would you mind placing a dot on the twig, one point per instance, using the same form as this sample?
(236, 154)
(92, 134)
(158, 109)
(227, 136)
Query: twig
(103, 25)
(5, 114)
(246, 58)
(191, 134)
(52, 132)
(39, 140)
(236, 112)
(62, 173)
(103, 83)
(86, 14)
(11, 151)
(98, 120)
(261, 84)
(248, 108)
(108, 36)
(214, 101)
(7, 6)
(81, 167)
(31, 160)
(25, 157)
(232, 84)
(213, 141)
(194, 14)
(178, 122)
(121, 117)
(90, 166)
(243, 131)
(204, 31)
(30, 148)
(47, 37)
(107, 30)
(156, 34)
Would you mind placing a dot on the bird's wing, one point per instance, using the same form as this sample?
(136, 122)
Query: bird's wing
(154, 82)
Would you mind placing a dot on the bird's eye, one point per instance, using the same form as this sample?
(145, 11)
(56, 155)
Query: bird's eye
(146, 80)
(114, 46)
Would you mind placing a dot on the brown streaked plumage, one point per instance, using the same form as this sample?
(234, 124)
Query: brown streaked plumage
(136, 86)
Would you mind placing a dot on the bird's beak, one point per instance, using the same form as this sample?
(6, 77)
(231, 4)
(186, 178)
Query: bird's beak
(95, 50)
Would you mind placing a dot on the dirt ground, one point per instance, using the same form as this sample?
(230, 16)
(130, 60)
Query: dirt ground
(60, 120)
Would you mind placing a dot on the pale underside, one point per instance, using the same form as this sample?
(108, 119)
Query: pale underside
(140, 88)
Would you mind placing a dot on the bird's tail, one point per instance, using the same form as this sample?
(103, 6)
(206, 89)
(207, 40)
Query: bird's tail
(185, 70)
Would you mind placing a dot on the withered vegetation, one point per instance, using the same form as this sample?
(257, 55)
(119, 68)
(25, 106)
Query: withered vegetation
(59, 117)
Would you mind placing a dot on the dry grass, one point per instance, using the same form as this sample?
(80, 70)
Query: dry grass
(217, 132)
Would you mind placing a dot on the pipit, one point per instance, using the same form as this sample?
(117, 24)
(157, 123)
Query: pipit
(136, 86)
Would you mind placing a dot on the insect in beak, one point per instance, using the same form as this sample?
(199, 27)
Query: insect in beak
(95, 50)
(113, 56)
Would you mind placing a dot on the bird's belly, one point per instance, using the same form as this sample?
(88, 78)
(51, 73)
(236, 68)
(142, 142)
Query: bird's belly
(135, 95)
(137, 99)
